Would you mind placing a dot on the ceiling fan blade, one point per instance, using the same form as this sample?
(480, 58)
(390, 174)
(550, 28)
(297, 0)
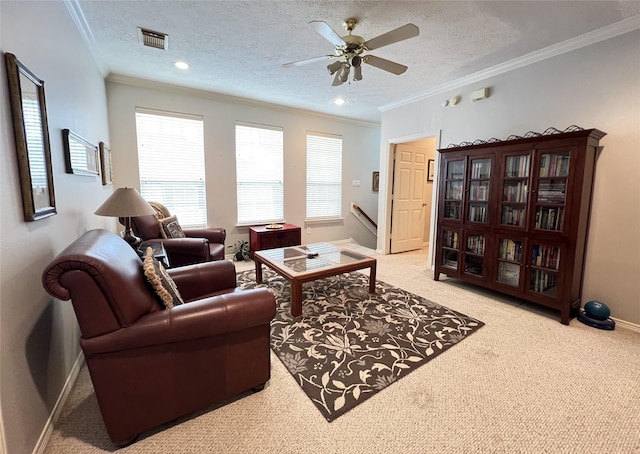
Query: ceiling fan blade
(307, 61)
(398, 34)
(387, 65)
(327, 32)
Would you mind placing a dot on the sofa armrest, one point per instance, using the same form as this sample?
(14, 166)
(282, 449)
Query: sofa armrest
(203, 318)
(213, 234)
(195, 281)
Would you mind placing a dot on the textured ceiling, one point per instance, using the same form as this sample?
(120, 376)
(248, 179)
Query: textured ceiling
(238, 47)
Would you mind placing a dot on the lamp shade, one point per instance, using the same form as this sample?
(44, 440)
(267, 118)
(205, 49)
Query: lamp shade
(125, 202)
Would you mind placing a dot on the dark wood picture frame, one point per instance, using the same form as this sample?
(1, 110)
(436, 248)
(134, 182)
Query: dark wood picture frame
(80, 155)
(431, 168)
(375, 181)
(31, 132)
(105, 163)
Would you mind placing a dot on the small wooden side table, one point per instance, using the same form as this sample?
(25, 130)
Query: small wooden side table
(261, 237)
(159, 251)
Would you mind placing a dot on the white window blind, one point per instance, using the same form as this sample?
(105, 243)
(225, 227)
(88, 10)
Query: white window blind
(324, 176)
(259, 174)
(171, 161)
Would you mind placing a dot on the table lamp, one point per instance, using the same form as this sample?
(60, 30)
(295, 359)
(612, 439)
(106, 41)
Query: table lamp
(126, 203)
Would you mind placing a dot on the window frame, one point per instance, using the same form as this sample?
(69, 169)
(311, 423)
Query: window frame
(193, 167)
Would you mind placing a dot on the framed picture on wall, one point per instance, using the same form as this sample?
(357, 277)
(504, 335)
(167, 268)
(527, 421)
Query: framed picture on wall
(80, 155)
(105, 162)
(431, 164)
(375, 183)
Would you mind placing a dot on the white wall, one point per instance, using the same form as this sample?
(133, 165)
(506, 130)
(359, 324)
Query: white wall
(39, 336)
(360, 153)
(597, 86)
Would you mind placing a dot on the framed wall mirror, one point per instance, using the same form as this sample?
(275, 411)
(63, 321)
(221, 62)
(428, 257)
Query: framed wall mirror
(31, 131)
(80, 155)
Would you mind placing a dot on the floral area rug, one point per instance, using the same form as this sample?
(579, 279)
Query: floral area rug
(349, 344)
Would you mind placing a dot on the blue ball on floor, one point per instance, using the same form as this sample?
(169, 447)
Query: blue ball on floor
(597, 310)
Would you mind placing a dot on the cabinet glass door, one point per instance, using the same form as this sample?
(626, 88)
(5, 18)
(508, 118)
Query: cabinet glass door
(480, 173)
(515, 189)
(474, 255)
(545, 262)
(509, 261)
(552, 191)
(454, 183)
(450, 249)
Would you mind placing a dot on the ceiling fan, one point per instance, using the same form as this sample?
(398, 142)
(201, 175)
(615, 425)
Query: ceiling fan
(350, 48)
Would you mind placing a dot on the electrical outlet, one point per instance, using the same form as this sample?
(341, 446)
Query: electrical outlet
(308, 230)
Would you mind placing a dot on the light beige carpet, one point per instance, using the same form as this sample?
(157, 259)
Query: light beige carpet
(524, 383)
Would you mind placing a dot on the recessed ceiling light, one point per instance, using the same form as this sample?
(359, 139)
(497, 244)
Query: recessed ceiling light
(339, 101)
(181, 65)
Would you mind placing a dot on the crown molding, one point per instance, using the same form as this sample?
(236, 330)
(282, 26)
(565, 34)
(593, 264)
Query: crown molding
(220, 97)
(602, 34)
(80, 21)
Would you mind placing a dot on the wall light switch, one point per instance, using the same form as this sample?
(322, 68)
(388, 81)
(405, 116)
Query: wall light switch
(355, 183)
(308, 230)
(480, 94)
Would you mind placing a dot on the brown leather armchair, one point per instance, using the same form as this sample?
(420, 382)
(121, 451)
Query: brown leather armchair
(201, 245)
(150, 365)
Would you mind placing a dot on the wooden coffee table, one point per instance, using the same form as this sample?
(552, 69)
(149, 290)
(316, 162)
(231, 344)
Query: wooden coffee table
(300, 264)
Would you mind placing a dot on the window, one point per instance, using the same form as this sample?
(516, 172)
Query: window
(259, 174)
(324, 176)
(171, 161)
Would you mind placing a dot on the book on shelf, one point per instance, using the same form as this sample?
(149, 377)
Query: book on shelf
(545, 256)
(515, 192)
(478, 213)
(513, 215)
(552, 165)
(543, 282)
(452, 210)
(517, 167)
(480, 169)
(549, 218)
(511, 250)
(475, 244)
(450, 239)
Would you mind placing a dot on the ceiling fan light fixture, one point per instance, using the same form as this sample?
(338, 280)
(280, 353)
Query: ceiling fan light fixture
(357, 73)
(334, 67)
(344, 72)
(356, 61)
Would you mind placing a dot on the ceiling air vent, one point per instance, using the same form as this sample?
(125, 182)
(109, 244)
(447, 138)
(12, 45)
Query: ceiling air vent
(150, 38)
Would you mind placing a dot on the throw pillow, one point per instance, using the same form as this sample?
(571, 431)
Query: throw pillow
(160, 280)
(170, 228)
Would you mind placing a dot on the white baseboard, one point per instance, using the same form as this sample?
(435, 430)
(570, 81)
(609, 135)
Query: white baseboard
(626, 325)
(57, 408)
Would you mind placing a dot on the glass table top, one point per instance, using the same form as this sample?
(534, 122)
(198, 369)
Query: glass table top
(304, 258)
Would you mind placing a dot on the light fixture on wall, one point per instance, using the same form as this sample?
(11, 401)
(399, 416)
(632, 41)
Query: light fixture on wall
(126, 203)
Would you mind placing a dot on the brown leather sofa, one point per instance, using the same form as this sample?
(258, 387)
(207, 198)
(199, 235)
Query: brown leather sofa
(150, 365)
(201, 245)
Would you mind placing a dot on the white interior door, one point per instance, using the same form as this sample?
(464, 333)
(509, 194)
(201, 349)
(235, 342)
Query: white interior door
(408, 209)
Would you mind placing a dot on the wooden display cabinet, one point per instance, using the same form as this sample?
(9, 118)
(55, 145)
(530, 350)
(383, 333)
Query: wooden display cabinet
(513, 215)
(261, 237)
